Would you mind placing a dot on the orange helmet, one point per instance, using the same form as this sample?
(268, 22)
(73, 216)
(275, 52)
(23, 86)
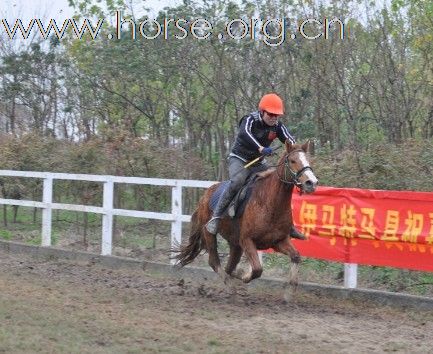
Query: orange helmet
(271, 103)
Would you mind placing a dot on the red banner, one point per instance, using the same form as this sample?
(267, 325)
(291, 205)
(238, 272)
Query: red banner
(384, 228)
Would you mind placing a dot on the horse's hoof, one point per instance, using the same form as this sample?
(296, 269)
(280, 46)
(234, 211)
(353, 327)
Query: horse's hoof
(223, 276)
(227, 280)
(290, 293)
(238, 274)
(247, 278)
(296, 259)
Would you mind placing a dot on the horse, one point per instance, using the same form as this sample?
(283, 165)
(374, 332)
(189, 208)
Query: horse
(264, 224)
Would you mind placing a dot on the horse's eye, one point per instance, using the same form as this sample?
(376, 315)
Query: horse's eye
(292, 161)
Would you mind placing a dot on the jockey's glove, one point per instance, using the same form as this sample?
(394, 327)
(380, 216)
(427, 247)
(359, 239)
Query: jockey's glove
(267, 151)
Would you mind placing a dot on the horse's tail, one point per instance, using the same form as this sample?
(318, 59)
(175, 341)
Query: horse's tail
(186, 253)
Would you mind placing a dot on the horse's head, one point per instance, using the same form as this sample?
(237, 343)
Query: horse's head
(294, 167)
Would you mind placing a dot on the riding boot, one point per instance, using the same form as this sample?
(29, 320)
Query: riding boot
(224, 201)
(294, 233)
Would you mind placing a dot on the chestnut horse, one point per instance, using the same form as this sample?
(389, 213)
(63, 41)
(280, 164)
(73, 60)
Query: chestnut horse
(265, 223)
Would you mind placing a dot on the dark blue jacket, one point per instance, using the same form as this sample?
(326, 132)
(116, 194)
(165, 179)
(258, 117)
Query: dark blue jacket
(254, 133)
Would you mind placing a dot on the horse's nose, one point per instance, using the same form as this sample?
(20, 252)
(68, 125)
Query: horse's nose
(311, 185)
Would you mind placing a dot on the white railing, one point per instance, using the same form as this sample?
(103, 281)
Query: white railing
(107, 210)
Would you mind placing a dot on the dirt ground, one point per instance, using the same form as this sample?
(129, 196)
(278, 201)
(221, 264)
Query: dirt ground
(54, 306)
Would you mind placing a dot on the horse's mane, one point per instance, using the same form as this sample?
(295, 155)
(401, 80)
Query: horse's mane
(265, 174)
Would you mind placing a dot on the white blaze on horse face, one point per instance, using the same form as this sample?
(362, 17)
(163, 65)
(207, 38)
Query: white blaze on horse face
(308, 173)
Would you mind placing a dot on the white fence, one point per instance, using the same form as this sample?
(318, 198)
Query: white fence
(107, 210)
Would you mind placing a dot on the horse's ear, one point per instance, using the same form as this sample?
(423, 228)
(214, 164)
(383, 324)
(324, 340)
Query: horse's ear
(306, 146)
(312, 147)
(289, 145)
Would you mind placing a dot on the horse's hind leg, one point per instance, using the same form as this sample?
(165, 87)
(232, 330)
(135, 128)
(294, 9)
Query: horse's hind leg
(235, 287)
(250, 250)
(211, 246)
(234, 258)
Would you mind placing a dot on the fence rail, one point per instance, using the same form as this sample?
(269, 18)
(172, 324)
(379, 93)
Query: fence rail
(176, 217)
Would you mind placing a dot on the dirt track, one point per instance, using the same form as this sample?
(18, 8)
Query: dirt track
(59, 306)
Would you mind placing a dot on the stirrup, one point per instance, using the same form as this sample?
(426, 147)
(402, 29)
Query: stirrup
(212, 225)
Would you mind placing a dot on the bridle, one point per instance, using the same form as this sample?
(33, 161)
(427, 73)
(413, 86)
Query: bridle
(290, 177)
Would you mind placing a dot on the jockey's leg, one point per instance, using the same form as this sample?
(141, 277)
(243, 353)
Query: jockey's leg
(294, 233)
(238, 175)
(223, 202)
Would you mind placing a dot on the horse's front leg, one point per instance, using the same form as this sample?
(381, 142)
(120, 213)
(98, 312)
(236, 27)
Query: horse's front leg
(286, 247)
(250, 250)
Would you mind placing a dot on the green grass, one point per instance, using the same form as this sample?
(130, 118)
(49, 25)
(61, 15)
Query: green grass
(142, 233)
(312, 270)
(213, 343)
(397, 280)
(373, 277)
(37, 240)
(26, 230)
(5, 234)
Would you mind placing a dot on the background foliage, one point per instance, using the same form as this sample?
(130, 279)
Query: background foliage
(124, 106)
(170, 108)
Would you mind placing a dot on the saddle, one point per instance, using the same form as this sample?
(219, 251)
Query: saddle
(240, 200)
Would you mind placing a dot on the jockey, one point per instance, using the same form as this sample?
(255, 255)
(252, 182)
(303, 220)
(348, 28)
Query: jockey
(256, 133)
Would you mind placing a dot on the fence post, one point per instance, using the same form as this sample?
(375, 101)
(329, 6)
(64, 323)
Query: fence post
(350, 275)
(47, 197)
(176, 224)
(107, 218)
